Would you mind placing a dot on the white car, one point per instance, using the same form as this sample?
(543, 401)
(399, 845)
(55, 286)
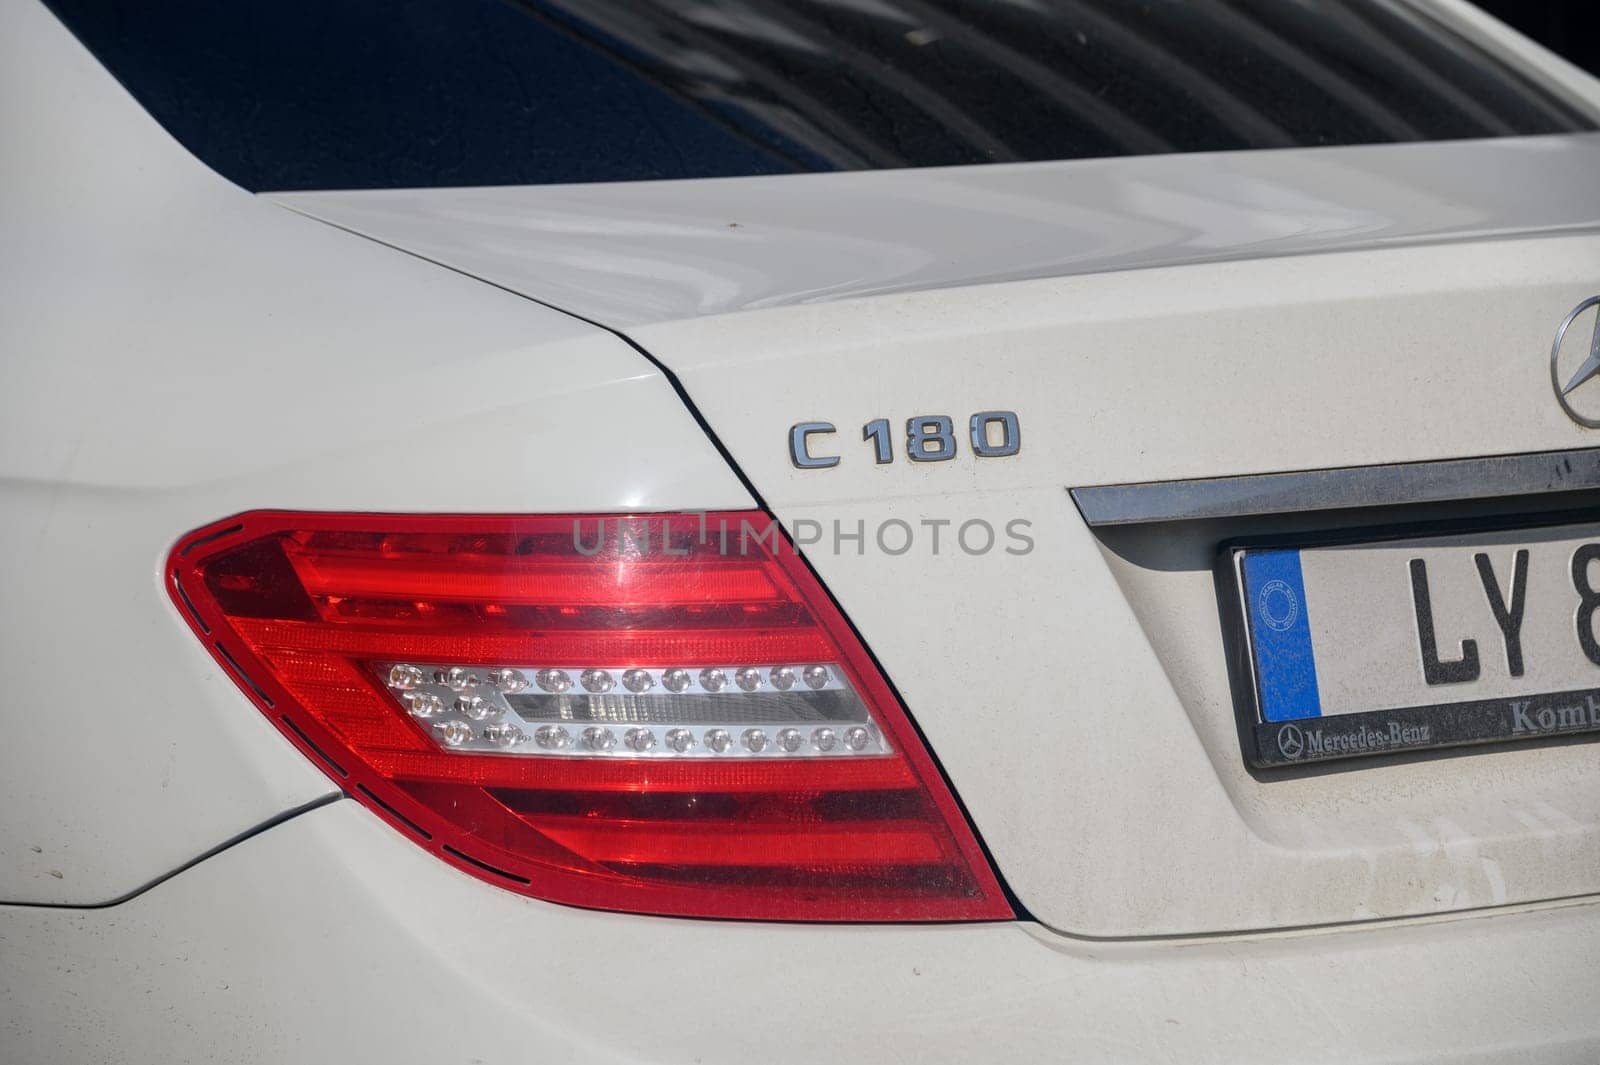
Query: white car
(756, 530)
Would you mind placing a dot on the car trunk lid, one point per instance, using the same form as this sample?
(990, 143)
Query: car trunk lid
(1072, 678)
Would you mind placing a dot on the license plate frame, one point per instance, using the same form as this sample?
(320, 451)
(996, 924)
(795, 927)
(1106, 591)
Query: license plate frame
(1424, 729)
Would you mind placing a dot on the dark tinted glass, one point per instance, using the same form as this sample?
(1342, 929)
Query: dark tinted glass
(300, 94)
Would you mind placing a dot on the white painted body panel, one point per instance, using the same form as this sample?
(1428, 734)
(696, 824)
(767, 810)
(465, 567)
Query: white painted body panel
(331, 938)
(636, 253)
(1398, 354)
(1109, 782)
(175, 351)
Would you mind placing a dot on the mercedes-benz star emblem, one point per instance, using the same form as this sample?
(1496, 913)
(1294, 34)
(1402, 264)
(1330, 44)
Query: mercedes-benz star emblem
(1291, 741)
(1586, 370)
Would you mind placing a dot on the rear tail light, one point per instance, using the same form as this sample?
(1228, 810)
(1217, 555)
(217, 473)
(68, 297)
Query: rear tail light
(660, 714)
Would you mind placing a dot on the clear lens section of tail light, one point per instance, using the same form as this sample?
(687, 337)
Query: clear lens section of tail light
(502, 713)
(661, 714)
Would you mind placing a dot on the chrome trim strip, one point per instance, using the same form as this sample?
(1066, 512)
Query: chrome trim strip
(1336, 489)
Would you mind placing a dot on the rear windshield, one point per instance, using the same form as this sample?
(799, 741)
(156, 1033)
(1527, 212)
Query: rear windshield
(328, 94)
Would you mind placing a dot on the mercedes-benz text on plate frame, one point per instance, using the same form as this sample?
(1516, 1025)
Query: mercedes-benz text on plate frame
(1397, 645)
(1581, 366)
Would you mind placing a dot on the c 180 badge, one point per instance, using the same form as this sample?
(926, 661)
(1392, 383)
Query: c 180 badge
(991, 434)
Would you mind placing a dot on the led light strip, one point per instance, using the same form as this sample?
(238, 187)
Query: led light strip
(467, 709)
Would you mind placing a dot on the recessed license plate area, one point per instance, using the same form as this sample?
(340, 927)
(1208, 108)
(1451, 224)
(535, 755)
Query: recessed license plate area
(1395, 645)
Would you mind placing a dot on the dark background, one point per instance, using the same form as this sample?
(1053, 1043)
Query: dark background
(346, 94)
(1571, 27)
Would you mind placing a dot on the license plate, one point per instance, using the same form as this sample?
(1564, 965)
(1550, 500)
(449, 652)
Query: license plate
(1382, 647)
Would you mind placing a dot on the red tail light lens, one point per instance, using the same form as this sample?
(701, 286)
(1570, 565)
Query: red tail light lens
(660, 714)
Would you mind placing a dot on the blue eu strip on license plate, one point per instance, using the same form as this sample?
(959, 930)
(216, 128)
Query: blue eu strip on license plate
(1280, 630)
(1379, 647)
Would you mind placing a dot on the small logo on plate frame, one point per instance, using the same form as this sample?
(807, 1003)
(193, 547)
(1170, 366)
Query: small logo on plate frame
(1291, 741)
(1583, 364)
(1277, 605)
